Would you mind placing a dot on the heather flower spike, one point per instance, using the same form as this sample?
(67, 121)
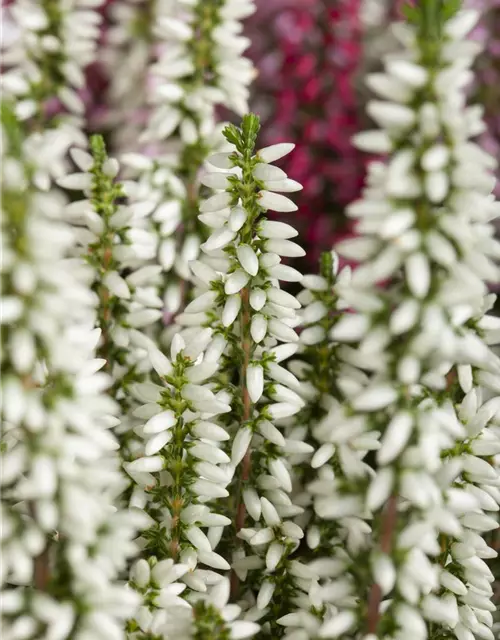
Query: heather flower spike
(199, 442)
(428, 389)
(120, 251)
(253, 322)
(64, 543)
(196, 65)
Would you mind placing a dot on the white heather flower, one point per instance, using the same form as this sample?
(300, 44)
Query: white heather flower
(60, 469)
(202, 474)
(417, 300)
(52, 48)
(256, 315)
(189, 61)
(118, 249)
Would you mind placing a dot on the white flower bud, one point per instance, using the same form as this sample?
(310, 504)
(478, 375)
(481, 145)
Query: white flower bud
(265, 594)
(237, 218)
(268, 172)
(241, 443)
(248, 259)
(140, 573)
(231, 310)
(151, 465)
(160, 422)
(258, 328)
(275, 151)
(236, 281)
(255, 382)
(273, 229)
(276, 202)
(395, 438)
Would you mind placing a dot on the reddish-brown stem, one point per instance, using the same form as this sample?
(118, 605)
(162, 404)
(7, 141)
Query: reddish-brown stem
(41, 570)
(389, 519)
(41, 564)
(246, 464)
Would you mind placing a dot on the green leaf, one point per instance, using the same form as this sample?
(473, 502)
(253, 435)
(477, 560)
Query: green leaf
(232, 134)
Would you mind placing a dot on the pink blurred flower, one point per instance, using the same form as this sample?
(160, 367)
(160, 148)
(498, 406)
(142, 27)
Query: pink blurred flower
(308, 53)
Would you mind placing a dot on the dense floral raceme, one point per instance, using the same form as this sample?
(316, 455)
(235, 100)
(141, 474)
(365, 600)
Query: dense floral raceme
(485, 86)
(47, 46)
(423, 337)
(198, 441)
(192, 64)
(120, 250)
(64, 545)
(252, 319)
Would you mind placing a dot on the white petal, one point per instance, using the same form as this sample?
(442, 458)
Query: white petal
(231, 310)
(236, 281)
(375, 398)
(418, 274)
(160, 422)
(237, 218)
(215, 180)
(275, 151)
(241, 443)
(395, 438)
(276, 202)
(216, 203)
(242, 629)
(258, 327)
(255, 382)
(264, 171)
(248, 259)
(202, 303)
(274, 229)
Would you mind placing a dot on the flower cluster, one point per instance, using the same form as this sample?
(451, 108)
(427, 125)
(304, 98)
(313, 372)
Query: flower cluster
(424, 232)
(112, 238)
(485, 85)
(197, 67)
(199, 442)
(183, 469)
(64, 544)
(240, 299)
(50, 44)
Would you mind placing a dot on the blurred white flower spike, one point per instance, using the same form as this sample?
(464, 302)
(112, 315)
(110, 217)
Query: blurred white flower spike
(112, 239)
(64, 543)
(199, 442)
(190, 62)
(425, 249)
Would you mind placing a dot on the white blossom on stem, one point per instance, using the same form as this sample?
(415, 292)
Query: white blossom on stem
(198, 67)
(45, 58)
(64, 544)
(239, 297)
(182, 473)
(425, 246)
(119, 250)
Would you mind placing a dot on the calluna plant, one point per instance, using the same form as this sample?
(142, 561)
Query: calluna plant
(297, 457)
